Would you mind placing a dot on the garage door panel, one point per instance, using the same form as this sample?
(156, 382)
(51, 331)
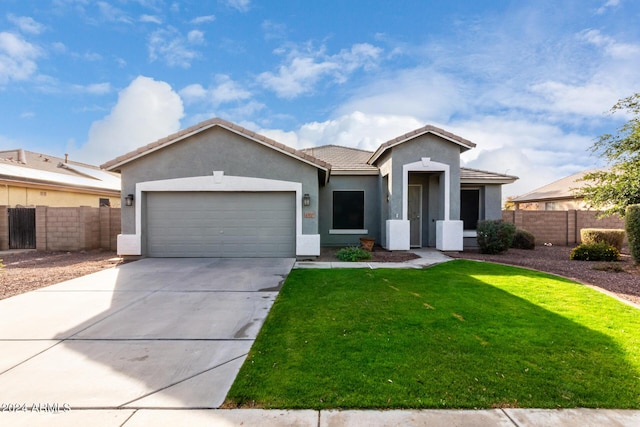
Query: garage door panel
(197, 224)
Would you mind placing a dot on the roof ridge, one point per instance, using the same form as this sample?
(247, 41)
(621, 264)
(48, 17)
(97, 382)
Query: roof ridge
(216, 121)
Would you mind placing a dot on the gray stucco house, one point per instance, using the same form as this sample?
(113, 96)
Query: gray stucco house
(217, 189)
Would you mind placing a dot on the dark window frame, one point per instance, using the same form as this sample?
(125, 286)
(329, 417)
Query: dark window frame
(468, 211)
(348, 210)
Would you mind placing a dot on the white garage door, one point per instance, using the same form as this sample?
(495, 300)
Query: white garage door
(221, 224)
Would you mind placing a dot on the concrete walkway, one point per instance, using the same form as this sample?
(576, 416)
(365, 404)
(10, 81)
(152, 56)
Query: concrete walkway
(428, 257)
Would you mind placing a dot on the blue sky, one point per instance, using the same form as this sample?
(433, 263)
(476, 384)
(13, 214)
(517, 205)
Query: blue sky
(530, 82)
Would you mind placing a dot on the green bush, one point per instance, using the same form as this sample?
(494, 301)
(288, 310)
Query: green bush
(613, 237)
(522, 239)
(632, 219)
(495, 236)
(353, 253)
(599, 251)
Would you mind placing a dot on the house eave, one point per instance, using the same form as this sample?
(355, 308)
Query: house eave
(158, 145)
(59, 187)
(355, 172)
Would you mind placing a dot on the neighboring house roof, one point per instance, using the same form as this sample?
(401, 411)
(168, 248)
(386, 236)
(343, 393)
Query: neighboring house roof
(557, 190)
(115, 164)
(21, 166)
(344, 160)
(463, 143)
(477, 176)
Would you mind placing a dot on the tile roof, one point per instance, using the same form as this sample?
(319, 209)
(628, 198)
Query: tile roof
(464, 143)
(477, 176)
(560, 189)
(116, 163)
(26, 166)
(344, 159)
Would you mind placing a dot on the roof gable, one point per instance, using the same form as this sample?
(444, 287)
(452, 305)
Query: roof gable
(117, 163)
(463, 143)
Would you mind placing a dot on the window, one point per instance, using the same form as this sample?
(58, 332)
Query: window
(348, 210)
(550, 206)
(470, 208)
(105, 203)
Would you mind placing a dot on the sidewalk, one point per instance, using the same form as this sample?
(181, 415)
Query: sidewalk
(428, 257)
(327, 418)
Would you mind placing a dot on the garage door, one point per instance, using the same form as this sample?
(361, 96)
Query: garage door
(223, 224)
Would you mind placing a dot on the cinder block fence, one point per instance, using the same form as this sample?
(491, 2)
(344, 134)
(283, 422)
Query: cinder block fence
(70, 229)
(559, 227)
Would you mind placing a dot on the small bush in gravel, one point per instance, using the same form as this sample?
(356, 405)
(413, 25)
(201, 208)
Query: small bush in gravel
(599, 251)
(522, 239)
(495, 236)
(613, 237)
(352, 254)
(608, 266)
(632, 225)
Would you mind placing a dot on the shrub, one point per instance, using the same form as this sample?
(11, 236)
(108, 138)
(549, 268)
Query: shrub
(632, 220)
(599, 251)
(522, 239)
(495, 236)
(613, 237)
(608, 266)
(353, 253)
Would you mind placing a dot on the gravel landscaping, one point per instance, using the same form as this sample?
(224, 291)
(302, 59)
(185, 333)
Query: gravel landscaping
(26, 271)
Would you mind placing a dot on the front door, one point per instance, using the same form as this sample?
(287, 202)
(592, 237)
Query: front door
(415, 215)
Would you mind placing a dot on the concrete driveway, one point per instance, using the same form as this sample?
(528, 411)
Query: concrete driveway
(156, 333)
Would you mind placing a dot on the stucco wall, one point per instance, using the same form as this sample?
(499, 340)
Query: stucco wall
(218, 149)
(439, 150)
(370, 185)
(14, 195)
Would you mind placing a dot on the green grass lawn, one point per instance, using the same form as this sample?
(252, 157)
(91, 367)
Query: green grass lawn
(462, 334)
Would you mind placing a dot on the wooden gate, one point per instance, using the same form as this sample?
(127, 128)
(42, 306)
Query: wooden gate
(22, 228)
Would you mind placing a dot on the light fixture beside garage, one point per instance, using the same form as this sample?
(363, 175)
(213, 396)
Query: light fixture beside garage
(306, 200)
(128, 201)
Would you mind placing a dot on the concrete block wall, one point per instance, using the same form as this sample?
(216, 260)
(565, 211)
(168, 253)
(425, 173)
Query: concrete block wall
(76, 228)
(559, 227)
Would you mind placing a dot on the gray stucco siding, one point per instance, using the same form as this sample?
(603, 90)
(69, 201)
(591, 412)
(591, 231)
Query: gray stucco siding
(371, 187)
(493, 201)
(438, 150)
(218, 149)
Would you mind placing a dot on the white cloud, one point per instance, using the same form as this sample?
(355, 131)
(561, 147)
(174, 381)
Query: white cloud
(26, 24)
(304, 68)
(421, 92)
(151, 19)
(174, 48)
(203, 19)
(17, 58)
(609, 4)
(146, 110)
(110, 13)
(93, 89)
(240, 5)
(611, 47)
(273, 30)
(356, 130)
(225, 90)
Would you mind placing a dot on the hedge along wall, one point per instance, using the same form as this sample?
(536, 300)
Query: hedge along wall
(560, 227)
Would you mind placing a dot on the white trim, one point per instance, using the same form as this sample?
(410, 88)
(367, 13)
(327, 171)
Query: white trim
(216, 182)
(469, 233)
(426, 165)
(338, 231)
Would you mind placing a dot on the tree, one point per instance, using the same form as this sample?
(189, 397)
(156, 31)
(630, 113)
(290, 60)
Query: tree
(619, 186)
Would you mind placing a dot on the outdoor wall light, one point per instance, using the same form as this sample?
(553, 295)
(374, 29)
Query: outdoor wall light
(306, 200)
(128, 200)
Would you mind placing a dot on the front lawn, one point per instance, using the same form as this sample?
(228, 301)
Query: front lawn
(462, 334)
